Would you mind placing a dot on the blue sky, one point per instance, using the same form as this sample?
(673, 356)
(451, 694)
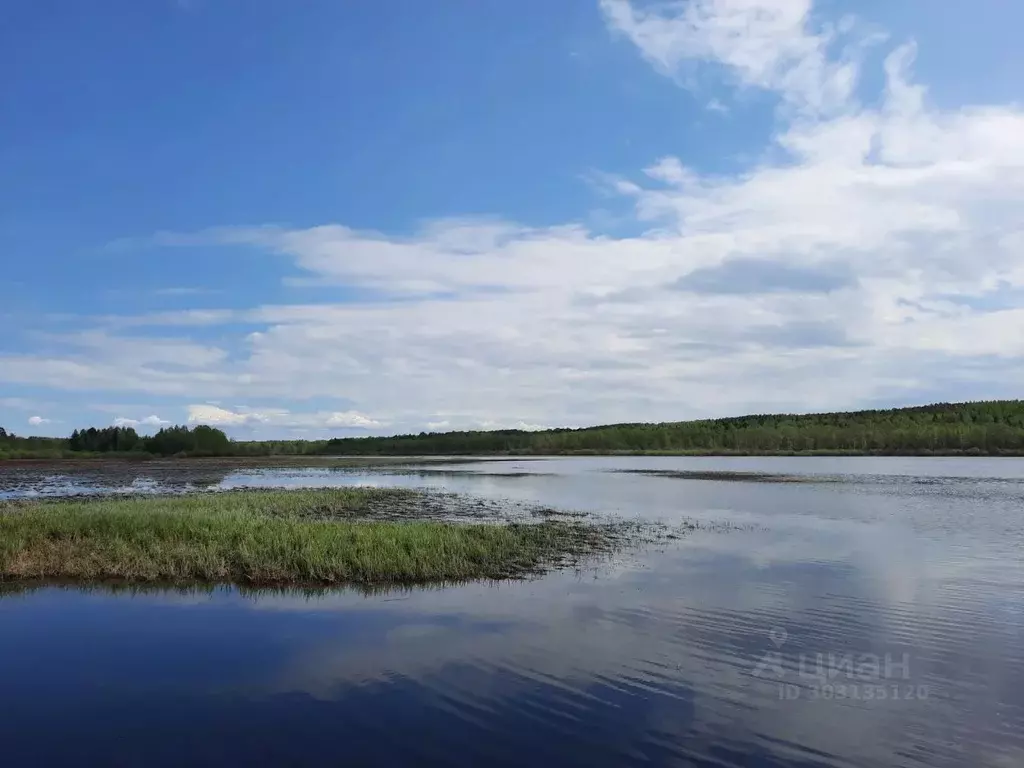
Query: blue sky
(351, 218)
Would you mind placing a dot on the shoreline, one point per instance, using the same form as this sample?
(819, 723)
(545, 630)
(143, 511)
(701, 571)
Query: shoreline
(357, 460)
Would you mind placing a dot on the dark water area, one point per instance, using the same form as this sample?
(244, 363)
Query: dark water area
(848, 612)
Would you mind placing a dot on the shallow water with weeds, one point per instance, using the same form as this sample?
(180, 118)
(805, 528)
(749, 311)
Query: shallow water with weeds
(870, 618)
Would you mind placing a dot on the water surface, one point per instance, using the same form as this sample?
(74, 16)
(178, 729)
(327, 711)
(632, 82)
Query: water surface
(866, 612)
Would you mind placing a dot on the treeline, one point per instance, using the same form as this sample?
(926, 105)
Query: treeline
(277, 447)
(981, 428)
(14, 447)
(170, 441)
(105, 440)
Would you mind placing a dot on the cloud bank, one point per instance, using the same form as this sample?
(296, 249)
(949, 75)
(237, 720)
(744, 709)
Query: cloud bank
(244, 417)
(149, 423)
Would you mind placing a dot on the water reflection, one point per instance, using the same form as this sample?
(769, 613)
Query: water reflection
(656, 661)
(87, 477)
(90, 478)
(705, 652)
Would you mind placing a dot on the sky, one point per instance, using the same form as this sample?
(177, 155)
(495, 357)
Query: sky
(324, 219)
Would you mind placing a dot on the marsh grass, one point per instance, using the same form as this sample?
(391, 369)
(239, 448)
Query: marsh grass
(274, 537)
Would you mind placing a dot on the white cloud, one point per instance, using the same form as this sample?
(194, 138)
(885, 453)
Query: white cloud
(214, 416)
(350, 420)
(768, 44)
(716, 106)
(244, 417)
(908, 213)
(148, 421)
(36, 421)
(461, 423)
(510, 425)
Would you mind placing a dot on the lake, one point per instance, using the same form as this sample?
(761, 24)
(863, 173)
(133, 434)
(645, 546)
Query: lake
(829, 612)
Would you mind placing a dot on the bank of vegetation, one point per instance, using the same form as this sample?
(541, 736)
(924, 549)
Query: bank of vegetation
(977, 428)
(274, 537)
(989, 428)
(119, 441)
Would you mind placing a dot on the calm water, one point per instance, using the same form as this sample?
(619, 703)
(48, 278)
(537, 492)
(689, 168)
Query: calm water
(872, 615)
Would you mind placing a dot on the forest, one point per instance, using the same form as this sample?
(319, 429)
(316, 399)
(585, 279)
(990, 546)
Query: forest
(989, 428)
(124, 441)
(978, 428)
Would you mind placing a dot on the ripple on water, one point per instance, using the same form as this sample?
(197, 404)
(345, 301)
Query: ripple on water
(704, 652)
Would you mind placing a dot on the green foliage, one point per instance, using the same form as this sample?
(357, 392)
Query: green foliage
(14, 447)
(983, 427)
(198, 441)
(277, 447)
(170, 441)
(257, 537)
(104, 440)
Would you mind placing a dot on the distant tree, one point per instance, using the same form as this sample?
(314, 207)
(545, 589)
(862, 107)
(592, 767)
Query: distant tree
(209, 440)
(103, 440)
(982, 428)
(202, 440)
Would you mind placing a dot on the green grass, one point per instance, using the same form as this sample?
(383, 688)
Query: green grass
(273, 537)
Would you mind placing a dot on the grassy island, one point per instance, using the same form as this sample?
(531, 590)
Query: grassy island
(276, 537)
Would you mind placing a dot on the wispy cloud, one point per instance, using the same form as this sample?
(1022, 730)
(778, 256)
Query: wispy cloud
(768, 44)
(152, 421)
(213, 415)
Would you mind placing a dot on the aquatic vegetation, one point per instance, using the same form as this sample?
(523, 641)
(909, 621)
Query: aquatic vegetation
(276, 537)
